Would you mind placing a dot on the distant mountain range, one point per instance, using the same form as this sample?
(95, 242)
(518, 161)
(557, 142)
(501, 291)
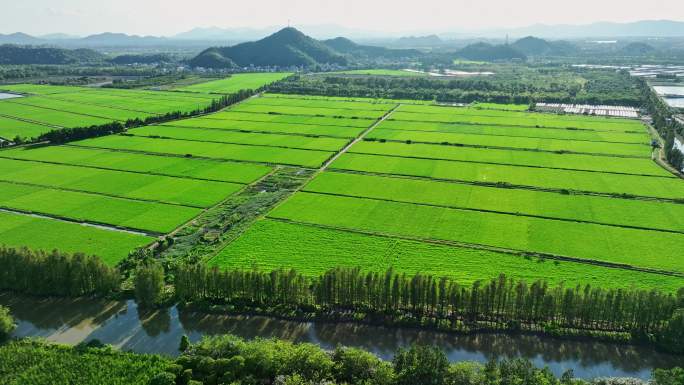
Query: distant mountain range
(213, 35)
(291, 48)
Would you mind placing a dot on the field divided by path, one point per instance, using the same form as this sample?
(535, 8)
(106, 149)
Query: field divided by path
(496, 184)
(155, 178)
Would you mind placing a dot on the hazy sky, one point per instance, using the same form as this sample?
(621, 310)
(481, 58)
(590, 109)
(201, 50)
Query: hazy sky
(167, 17)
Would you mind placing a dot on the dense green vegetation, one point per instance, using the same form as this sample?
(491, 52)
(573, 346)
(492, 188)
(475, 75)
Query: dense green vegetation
(228, 359)
(56, 273)
(15, 54)
(40, 363)
(7, 324)
(439, 302)
(511, 84)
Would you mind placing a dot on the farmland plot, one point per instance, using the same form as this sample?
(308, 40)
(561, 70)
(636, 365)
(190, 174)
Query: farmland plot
(638, 166)
(173, 190)
(236, 82)
(268, 127)
(211, 135)
(11, 128)
(541, 178)
(308, 111)
(641, 248)
(311, 250)
(18, 230)
(263, 154)
(551, 145)
(519, 131)
(193, 168)
(620, 212)
(295, 119)
(145, 216)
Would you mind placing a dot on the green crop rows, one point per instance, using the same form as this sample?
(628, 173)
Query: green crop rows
(621, 212)
(78, 206)
(210, 135)
(271, 244)
(639, 166)
(307, 158)
(181, 191)
(519, 131)
(268, 127)
(543, 144)
(150, 164)
(294, 119)
(541, 178)
(643, 248)
(11, 128)
(446, 191)
(17, 230)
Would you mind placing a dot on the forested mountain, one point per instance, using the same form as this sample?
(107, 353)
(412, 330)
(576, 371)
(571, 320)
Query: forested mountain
(285, 48)
(489, 52)
(14, 54)
(18, 38)
(533, 46)
(638, 48)
(290, 47)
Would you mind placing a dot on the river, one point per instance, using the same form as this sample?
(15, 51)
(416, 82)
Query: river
(121, 324)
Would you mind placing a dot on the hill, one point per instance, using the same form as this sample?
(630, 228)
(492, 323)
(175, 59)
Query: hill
(638, 49)
(534, 46)
(348, 47)
(489, 52)
(18, 38)
(14, 54)
(285, 48)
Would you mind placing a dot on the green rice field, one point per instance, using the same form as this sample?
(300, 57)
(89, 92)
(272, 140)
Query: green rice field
(45, 108)
(236, 82)
(465, 192)
(469, 192)
(18, 230)
(626, 165)
(225, 151)
(143, 163)
(271, 244)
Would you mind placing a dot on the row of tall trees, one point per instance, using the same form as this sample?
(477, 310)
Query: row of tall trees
(502, 300)
(55, 273)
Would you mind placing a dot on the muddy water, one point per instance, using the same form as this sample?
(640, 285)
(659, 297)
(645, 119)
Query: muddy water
(121, 324)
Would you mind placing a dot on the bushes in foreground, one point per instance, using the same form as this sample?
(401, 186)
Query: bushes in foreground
(232, 360)
(38, 363)
(6, 323)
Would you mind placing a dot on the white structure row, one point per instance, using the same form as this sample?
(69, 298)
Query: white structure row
(588, 109)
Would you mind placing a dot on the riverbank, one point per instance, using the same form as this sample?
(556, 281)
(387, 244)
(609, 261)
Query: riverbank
(123, 325)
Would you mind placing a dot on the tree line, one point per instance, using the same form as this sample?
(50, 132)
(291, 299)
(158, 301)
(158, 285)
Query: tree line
(55, 273)
(600, 88)
(502, 303)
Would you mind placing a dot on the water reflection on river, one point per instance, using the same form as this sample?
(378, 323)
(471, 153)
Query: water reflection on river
(122, 325)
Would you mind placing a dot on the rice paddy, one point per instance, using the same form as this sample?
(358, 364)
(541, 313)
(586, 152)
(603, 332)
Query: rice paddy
(466, 192)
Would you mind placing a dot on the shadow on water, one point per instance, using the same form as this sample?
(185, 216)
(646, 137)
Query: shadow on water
(123, 325)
